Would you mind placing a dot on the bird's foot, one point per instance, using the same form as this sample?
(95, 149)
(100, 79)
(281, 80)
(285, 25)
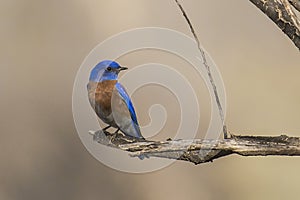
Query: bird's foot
(106, 132)
(116, 134)
(142, 157)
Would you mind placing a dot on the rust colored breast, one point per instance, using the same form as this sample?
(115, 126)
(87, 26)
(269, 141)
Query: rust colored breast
(100, 96)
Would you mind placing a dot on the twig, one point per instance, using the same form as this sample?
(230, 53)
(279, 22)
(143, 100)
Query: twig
(282, 14)
(201, 151)
(202, 52)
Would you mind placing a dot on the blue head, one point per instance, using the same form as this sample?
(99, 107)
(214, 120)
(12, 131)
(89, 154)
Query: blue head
(106, 70)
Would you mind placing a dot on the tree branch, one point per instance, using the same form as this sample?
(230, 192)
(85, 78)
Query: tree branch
(203, 56)
(200, 151)
(282, 14)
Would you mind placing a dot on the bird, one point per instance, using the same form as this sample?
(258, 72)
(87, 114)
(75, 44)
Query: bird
(110, 101)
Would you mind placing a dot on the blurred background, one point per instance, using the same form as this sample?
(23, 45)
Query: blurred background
(43, 44)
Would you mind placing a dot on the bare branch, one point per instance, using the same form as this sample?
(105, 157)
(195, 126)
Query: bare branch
(201, 151)
(282, 14)
(203, 56)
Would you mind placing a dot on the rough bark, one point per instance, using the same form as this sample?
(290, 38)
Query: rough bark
(282, 14)
(200, 151)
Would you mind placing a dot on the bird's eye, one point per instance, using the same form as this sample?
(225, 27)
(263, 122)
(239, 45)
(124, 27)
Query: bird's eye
(109, 69)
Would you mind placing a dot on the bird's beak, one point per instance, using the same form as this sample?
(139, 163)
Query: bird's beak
(123, 68)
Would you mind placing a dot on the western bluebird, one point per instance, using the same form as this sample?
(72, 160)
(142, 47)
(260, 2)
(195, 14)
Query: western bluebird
(110, 100)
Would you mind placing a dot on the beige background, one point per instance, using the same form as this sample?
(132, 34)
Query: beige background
(43, 44)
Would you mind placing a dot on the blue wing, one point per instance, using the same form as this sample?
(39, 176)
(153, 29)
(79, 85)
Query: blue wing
(127, 100)
(124, 113)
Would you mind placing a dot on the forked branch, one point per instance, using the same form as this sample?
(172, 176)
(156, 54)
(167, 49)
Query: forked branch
(200, 151)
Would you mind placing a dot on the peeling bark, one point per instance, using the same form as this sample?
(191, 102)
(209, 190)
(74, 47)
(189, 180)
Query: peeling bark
(282, 14)
(200, 151)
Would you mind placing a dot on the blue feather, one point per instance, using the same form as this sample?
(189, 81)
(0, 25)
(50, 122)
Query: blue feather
(128, 102)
